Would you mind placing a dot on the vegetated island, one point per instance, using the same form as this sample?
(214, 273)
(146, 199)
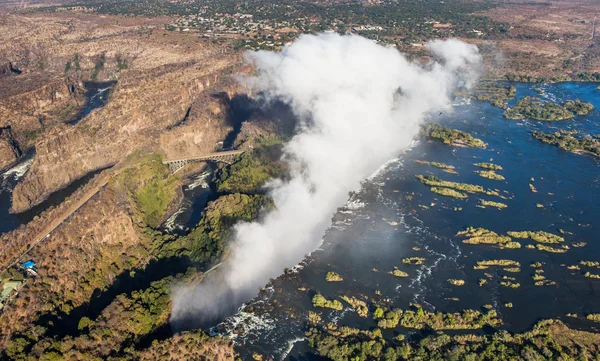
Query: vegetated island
(490, 166)
(538, 236)
(586, 144)
(490, 174)
(450, 136)
(548, 337)
(578, 107)
(447, 168)
(492, 92)
(435, 182)
(485, 236)
(149, 189)
(535, 108)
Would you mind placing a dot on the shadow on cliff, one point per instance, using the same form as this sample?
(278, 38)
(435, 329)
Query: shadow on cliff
(241, 108)
(97, 95)
(62, 324)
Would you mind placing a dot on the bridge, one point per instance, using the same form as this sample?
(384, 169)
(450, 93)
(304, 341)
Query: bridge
(225, 157)
(97, 184)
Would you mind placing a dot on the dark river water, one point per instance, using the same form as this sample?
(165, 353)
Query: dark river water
(97, 94)
(394, 216)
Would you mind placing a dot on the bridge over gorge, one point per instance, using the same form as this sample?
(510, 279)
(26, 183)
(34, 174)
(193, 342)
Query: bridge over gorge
(225, 157)
(98, 184)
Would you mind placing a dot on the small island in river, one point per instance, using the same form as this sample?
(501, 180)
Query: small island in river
(535, 108)
(586, 144)
(450, 136)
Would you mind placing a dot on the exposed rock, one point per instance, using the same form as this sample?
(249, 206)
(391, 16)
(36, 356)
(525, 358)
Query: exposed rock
(9, 148)
(162, 101)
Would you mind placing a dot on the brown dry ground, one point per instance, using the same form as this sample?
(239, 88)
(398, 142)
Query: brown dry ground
(543, 38)
(168, 76)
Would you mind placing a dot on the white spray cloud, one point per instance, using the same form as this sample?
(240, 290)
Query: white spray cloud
(360, 104)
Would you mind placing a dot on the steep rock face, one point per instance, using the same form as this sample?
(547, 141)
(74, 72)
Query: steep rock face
(162, 101)
(30, 103)
(9, 148)
(143, 106)
(200, 132)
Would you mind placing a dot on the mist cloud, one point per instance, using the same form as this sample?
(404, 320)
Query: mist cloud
(359, 104)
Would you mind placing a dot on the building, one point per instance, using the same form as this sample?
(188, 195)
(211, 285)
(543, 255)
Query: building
(30, 268)
(9, 287)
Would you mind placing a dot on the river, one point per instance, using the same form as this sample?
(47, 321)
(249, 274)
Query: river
(97, 94)
(394, 216)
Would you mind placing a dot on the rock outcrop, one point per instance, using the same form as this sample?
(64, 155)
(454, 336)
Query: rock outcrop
(163, 100)
(9, 148)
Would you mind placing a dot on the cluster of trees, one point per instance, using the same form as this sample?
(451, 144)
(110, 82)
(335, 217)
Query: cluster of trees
(586, 144)
(451, 136)
(433, 181)
(151, 186)
(548, 340)
(535, 108)
(494, 93)
(411, 20)
(250, 173)
(125, 323)
(578, 107)
(581, 76)
(418, 318)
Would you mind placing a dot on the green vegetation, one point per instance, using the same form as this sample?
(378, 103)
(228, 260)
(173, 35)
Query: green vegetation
(593, 264)
(206, 242)
(448, 192)
(510, 284)
(490, 166)
(494, 93)
(254, 168)
(390, 22)
(498, 205)
(538, 236)
(122, 324)
(592, 276)
(535, 108)
(151, 186)
(434, 164)
(456, 282)
(359, 306)
(593, 317)
(398, 273)
(499, 262)
(333, 277)
(418, 318)
(98, 66)
(451, 136)
(548, 340)
(538, 277)
(414, 260)
(470, 188)
(482, 236)
(508, 305)
(320, 301)
(122, 63)
(490, 174)
(578, 107)
(545, 248)
(447, 168)
(586, 144)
